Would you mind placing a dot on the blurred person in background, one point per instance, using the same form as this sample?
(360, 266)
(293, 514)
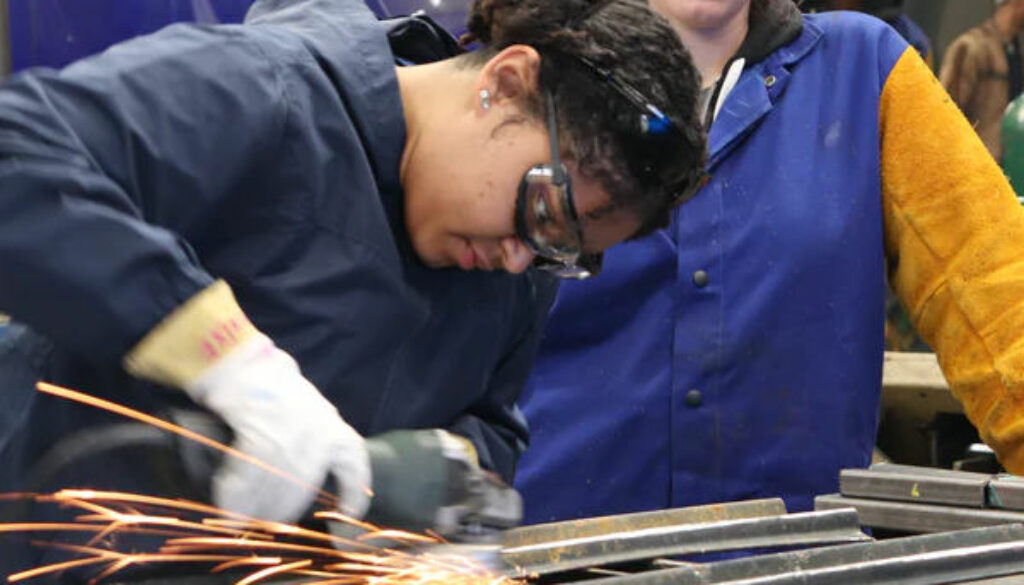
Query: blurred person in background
(738, 353)
(983, 71)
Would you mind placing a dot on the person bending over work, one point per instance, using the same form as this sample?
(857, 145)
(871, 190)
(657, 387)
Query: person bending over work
(314, 244)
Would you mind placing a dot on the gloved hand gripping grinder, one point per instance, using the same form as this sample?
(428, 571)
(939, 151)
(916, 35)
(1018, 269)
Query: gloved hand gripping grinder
(422, 479)
(430, 480)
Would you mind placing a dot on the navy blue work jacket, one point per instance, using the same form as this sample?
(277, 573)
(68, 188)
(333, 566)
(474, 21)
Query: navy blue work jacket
(266, 154)
(738, 353)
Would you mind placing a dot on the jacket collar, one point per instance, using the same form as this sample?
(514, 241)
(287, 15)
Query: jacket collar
(799, 46)
(762, 83)
(772, 24)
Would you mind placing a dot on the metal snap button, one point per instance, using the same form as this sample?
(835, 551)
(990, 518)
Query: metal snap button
(694, 398)
(700, 279)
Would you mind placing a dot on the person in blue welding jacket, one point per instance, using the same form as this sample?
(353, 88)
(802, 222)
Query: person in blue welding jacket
(738, 354)
(314, 244)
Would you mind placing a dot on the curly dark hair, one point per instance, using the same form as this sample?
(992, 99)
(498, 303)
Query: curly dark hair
(599, 128)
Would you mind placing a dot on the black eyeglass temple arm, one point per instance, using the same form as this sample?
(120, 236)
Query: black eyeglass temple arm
(556, 165)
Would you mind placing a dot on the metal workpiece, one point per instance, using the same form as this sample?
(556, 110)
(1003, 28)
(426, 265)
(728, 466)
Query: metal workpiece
(806, 529)
(886, 481)
(933, 558)
(1006, 492)
(559, 531)
(916, 484)
(919, 518)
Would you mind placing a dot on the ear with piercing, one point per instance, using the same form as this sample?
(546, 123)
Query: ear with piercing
(485, 99)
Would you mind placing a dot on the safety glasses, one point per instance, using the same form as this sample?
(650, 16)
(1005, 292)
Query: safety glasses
(546, 218)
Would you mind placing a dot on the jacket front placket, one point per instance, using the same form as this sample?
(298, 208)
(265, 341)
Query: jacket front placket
(701, 325)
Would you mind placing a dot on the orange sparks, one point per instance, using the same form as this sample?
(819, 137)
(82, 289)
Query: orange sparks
(339, 517)
(186, 544)
(181, 532)
(123, 498)
(397, 535)
(54, 568)
(246, 561)
(271, 571)
(272, 548)
(82, 398)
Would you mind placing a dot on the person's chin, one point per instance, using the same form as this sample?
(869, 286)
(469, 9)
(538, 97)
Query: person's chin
(705, 21)
(709, 16)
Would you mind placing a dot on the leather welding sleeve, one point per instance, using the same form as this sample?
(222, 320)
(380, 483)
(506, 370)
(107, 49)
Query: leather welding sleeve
(954, 236)
(494, 424)
(107, 168)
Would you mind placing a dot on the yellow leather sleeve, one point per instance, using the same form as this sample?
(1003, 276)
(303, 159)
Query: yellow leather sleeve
(954, 236)
(192, 338)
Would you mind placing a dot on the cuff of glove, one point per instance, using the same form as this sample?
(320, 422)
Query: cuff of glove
(457, 445)
(192, 338)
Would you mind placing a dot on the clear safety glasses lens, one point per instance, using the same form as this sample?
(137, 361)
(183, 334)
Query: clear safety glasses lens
(547, 223)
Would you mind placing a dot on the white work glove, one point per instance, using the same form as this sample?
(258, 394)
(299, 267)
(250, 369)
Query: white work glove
(281, 419)
(209, 348)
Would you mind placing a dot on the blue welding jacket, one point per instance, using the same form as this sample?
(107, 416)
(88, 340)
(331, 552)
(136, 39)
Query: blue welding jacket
(266, 154)
(738, 353)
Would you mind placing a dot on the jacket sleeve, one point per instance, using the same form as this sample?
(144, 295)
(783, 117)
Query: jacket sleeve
(954, 234)
(107, 166)
(959, 73)
(495, 425)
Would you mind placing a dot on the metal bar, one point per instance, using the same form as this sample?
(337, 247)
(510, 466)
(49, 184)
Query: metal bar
(917, 517)
(559, 531)
(606, 572)
(1007, 492)
(915, 484)
(916, 559)
(924, 569)
(813, 528)
(671, 564)
(919, 470)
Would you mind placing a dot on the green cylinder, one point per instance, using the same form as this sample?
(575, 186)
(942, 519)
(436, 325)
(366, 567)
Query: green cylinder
(1012, 135)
